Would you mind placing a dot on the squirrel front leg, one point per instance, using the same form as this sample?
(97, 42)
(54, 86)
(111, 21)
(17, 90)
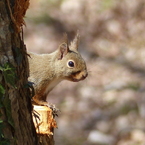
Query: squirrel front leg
(37, 99)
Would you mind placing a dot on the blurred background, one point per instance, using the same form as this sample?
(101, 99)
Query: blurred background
(108, 108)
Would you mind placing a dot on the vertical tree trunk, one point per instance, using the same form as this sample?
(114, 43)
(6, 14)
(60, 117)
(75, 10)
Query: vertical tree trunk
(16, 125)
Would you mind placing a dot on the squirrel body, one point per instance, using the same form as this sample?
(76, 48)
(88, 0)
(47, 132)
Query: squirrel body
(48, 70)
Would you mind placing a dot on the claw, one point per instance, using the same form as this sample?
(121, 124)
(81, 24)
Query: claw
(55, 110)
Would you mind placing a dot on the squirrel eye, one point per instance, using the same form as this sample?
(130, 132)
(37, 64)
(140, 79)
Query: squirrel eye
(70, 63)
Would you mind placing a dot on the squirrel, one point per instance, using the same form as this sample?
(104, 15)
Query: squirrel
(48, 70)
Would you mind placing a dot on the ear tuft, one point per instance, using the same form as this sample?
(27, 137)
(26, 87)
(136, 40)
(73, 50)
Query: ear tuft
(74, 44)
(63, 50)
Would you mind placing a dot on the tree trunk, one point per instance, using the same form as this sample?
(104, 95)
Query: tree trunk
(16, 119)
(16, 124)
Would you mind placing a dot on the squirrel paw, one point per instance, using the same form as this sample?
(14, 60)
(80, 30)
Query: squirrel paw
(55, 111)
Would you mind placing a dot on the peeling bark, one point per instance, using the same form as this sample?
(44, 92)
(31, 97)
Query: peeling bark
(16, 123)
(20, 129)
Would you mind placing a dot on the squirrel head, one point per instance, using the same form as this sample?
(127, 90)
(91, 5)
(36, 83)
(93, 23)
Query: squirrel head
(69, 63)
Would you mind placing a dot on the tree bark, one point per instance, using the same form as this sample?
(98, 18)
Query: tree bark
(16, 108)
(16, 124)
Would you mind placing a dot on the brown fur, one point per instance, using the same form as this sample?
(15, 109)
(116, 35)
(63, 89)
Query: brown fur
(47, 70)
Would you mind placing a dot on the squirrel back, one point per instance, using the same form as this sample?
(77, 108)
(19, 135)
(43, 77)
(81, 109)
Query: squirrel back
(47, 70)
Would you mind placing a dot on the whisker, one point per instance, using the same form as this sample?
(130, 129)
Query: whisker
(97, 72)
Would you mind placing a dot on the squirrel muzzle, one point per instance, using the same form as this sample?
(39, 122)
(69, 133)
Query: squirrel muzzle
(79, 76)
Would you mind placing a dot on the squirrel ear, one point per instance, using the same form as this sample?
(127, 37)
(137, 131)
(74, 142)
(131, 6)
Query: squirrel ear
(63, 50)
(74, 44)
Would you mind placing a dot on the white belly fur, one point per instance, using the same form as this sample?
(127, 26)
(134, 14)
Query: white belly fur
(52, 85)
